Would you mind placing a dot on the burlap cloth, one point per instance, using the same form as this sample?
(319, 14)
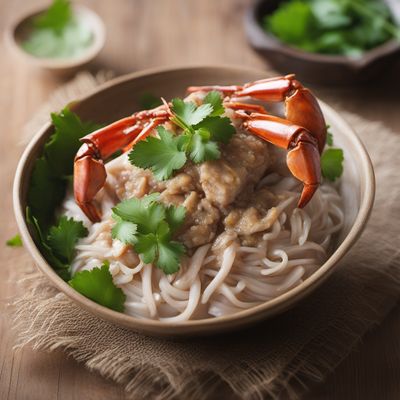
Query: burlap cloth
(275, 359)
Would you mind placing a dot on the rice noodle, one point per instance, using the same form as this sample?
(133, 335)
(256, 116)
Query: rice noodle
(221, 279)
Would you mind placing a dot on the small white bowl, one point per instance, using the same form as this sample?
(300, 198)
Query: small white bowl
(20, 29)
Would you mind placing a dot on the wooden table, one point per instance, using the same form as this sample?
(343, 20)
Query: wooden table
(143, 34)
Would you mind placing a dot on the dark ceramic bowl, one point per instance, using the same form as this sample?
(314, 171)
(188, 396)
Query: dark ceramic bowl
(312, 67)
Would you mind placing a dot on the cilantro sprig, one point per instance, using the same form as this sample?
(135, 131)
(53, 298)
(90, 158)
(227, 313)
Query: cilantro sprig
(50, 176)
(203, 128)
(148, 226)
(97, 285)
(332, 160)
(58, 245)
(15, 241)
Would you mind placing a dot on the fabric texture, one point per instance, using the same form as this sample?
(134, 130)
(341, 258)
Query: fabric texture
(275, 358)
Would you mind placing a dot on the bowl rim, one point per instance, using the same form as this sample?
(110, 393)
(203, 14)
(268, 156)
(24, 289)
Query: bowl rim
(99, 38)
(209, 325)
(265, 40)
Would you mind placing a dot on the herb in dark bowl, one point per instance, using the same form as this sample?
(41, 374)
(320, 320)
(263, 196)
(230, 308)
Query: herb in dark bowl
(337, 27)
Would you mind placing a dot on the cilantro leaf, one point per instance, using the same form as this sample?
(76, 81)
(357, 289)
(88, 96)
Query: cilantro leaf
(63, 238)
(64, 143)
(45, 191)
(97, 285)
(146, 246)
(215, 99)
(332, 163)
(146, 213)
(161, 155)
(159, 249)
(124, 231)
(221, 129)
(329, 136)
(61, 268)
(202, 149)
(56, 17)
(189, 113)
(169, 253)
(175, 217)
(148, 227)
(14, 241)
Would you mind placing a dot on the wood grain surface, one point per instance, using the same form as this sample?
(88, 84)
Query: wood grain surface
(143, 34)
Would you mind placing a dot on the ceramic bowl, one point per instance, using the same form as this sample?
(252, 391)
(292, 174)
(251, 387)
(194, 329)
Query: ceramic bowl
(20, 30)
(312, 67)
(120, 98)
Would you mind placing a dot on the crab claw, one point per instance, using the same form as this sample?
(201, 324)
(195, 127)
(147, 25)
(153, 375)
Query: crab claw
(303, 161)
(89, 178)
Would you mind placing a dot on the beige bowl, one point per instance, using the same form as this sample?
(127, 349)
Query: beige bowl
(20, 30)
(120, 98)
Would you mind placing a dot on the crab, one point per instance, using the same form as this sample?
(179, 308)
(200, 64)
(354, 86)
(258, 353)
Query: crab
(302, 133)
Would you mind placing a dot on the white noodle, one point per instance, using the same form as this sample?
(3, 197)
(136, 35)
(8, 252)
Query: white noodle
(213, 282)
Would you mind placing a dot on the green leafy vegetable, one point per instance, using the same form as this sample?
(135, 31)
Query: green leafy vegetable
(14, 241)
(50, 176)
(63, 237)
(57, 33)
(332, 163)
(329, 136)
(148, 226)
(97, 285)
(162, 155)
(64, 143)
(202, 128)
(348, 27)
(56, 17)
(48, 180)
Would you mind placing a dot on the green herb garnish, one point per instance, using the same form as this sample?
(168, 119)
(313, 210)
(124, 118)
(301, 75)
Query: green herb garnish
(50, 176)
(62, 238)
(148, 226)
(57, 33)
(203, 127)
(50, 172)
(348, 27)
(15, 241)
(332, 163)
(97, 285)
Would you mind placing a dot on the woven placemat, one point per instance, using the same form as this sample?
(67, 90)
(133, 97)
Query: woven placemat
(280, 356)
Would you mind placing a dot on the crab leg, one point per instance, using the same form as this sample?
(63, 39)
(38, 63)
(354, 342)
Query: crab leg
(303, 157)
(89, 170)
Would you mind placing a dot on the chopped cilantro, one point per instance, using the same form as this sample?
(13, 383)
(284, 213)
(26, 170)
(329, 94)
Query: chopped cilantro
(202, 128)
(63, 237)
(14, 241)
(332, 163)
(97, 285)
(148, 225)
